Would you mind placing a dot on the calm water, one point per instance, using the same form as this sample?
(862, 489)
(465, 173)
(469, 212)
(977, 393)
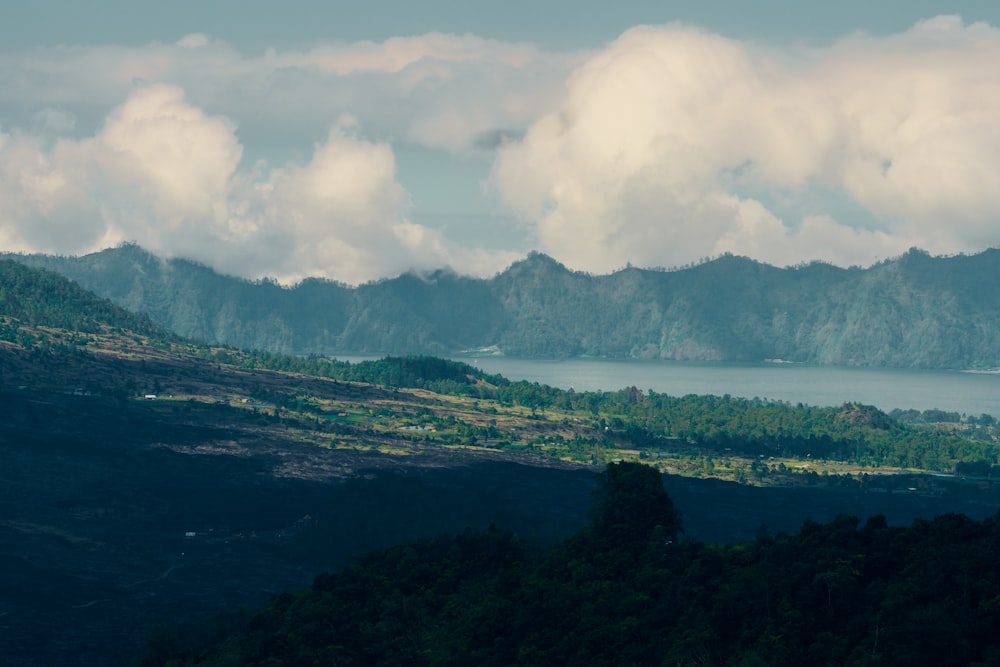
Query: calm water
(970, 393)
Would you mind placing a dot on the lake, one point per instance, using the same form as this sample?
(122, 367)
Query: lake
(969, 393)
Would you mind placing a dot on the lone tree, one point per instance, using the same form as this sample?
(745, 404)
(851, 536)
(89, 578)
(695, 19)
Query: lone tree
(631, 504)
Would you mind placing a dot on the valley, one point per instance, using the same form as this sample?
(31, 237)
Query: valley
(150, 481)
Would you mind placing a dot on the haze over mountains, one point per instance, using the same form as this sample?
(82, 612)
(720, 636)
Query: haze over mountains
(912, 311)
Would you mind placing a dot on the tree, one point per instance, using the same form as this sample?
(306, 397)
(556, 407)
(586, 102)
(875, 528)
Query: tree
(631, 504)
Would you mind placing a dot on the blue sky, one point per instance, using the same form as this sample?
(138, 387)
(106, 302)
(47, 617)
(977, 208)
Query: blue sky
(359, 140)
(257, 24)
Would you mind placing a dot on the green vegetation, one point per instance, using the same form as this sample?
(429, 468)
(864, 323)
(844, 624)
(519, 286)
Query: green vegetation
(912, 311)
(657, 424)
(400, 404)
(627, 591)
(46, 299)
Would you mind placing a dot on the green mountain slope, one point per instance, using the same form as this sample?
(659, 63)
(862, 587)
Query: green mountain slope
(248, 471)
(46, 299)
(913, 311)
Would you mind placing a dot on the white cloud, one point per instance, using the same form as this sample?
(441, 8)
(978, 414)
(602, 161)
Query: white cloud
(436, 89)
(194, 41)
(165, 174)
(180, 159)
(672, 144)
(398, 53)
(668, 145)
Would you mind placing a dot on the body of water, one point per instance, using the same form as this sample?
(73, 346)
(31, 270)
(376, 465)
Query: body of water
(968, 393)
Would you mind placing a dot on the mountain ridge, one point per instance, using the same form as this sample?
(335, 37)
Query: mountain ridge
(912, 311)
(150, 479)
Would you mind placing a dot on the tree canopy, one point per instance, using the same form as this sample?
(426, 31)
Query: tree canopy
(619, 593)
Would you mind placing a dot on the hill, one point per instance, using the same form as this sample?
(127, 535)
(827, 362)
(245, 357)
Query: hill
(148, 479)
(627, 591)
(46, 299)
(912, 311)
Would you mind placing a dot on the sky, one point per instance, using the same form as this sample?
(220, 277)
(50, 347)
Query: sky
(357, 141)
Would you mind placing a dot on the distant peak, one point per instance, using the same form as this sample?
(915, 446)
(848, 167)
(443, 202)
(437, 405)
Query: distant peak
(541, 258)
(128, 248)
(538, 260)
(730, 258)
(432, 276)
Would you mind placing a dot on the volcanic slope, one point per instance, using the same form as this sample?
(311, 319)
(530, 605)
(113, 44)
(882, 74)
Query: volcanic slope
(147, 479)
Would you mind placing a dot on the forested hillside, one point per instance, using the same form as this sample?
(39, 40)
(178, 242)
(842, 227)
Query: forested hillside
(152, 478)
(913, 311)
(627, 591)
(46, 299)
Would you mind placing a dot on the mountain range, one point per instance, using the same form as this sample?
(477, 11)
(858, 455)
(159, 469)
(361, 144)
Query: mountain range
(916, 310)
(147, 479)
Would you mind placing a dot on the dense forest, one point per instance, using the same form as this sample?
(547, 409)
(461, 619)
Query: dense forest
(911, 311)
(630, 590)
(43, 298)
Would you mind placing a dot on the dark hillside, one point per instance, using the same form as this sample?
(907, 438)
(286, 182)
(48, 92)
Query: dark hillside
(47, 299)
(913, 311)
(628, 590)
(147, 480)
(433, 314)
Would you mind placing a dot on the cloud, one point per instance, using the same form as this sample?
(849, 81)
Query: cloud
(167, 175)
(668, 145)
(437, 90)
(674, 143)
(180, 160)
